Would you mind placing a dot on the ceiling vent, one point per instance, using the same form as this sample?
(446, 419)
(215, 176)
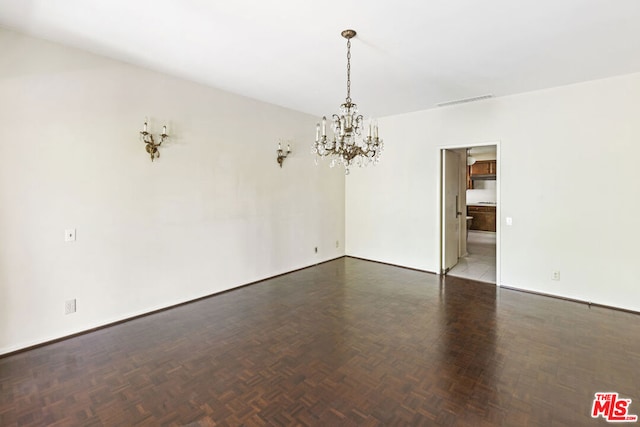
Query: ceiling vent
(465, 100)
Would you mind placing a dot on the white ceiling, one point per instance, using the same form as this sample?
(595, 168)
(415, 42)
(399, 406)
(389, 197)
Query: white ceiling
(409, 54)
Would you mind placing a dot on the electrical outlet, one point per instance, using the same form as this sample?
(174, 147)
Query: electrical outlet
(70, 235)
(70, 306)
(555, 275)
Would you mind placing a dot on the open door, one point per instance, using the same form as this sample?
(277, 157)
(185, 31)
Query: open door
(451, 213)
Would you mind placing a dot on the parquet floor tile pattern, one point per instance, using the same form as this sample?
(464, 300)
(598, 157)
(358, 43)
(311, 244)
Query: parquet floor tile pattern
(344, 343)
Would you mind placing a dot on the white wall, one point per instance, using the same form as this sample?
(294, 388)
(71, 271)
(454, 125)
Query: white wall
(214, 212)
(568, 160)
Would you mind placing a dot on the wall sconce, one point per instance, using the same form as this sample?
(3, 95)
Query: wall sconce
(150, 145)
(281, 154)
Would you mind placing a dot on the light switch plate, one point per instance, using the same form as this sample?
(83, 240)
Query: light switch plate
(509, 220)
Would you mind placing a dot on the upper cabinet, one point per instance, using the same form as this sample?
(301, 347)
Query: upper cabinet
(483, 167)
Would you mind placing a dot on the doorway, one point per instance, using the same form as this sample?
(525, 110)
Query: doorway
(469, 225)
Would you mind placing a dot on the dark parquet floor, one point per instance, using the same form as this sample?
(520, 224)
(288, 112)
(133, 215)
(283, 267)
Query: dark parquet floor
(344, 343)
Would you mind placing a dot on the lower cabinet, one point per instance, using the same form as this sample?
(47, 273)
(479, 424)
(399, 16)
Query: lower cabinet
(484, 217)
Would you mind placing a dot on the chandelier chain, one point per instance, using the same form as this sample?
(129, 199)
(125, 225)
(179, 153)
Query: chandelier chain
(348, 71)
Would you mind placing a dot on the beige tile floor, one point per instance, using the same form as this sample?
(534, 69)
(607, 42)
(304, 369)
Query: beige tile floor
(480, 263)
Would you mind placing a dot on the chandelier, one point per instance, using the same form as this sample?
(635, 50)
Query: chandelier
(349, 146)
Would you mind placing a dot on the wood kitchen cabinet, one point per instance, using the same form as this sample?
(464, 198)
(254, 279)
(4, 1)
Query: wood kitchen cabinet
(484, 217)
(483, 167)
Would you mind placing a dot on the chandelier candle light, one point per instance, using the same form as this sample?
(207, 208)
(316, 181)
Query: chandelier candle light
(348, 145)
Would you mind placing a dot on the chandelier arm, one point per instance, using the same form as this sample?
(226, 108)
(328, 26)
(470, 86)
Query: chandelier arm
(357, 126)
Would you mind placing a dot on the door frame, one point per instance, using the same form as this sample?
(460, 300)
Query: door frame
(439, 202)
